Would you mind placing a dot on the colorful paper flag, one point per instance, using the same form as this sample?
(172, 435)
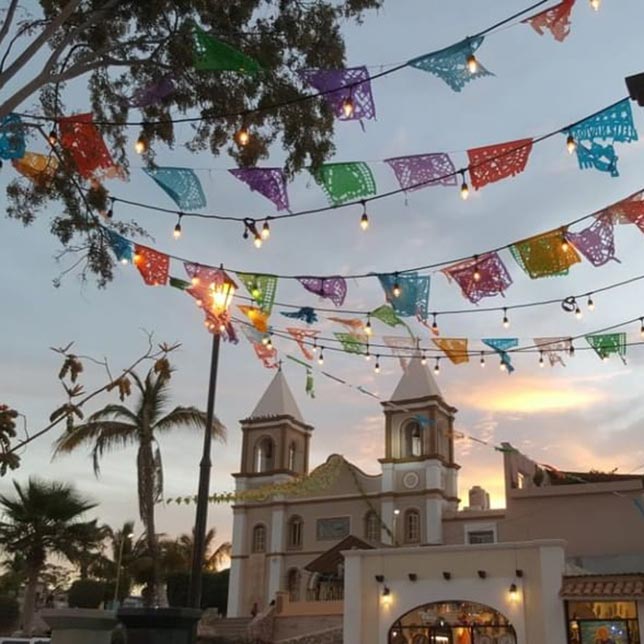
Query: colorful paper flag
(38, 168)
(153, 93)
(121, 247)
(413, 297)
(333, 287)
(553, 349)
(262, 288)
(301, 336)
(352, 343)
(502, 346)
(481, 276)
(423, 170)
(257, 317)
(213, 55)
(454, 348)
(152, 265)
(544, 255)
(12, 137)
(81, 138)
(269, 182)
(495, 162)
(596, 242)
(556, 20)
(342, 182)
(305, 314)
(387, 315)
(181, 184)
(607, 344)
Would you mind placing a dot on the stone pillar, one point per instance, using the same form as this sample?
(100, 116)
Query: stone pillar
(80, 625)
(275, 557)
(236, 578)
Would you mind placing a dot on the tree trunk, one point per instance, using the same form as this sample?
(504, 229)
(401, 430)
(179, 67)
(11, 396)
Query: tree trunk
(146, 510)
(29, 601)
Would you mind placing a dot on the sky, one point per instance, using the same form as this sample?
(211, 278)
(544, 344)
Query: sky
(588, 415)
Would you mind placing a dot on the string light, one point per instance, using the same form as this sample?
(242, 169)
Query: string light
(364, 220)
(423, 359)
(177, 229)
(434, 324)
(321, 356)
(367, 327)
(571, 348)
(472, 64)
(590, 303)
(52, 137)
(502, 365)
(595, 4)
(257, 240)
(506, 321)
(571, 144)
(437, 366)
(266, 340)
(565, 246)
(578, 313)
(465, 189)
(482, 360)
(642, 328)
(242, 137)
(266, 230)
(110, 211)
(396, 289)
(376, 367)
(348, 107)
(315, 345)
(141, 145)
(367, 356)
(541, 362)
(256, 291)
(477, 275)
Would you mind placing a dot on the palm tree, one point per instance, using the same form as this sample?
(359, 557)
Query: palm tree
(42, 520)
(116, 426)
(177, 554)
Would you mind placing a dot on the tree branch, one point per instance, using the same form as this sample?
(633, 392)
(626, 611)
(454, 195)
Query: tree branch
(8, 19)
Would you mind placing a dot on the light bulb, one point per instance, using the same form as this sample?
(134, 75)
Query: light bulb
(315, 345)
(257, 241)
(437, 366)
(506, 321)
(364, 221)
(141, 145)
(265, 340)
(578, 313)
(604, 358)
(367, 329)
(482, 360)
(52, 137)
(642, 328)
(541, 362)
(564, 245)
(435, 324)
(477, 274)
(590, 303)
(256, 292)
(367, 356)
(595, 4)
(571, 144)
(194, 280)
(571, 349)
(124, 260)
(502, 366)
(472, 64)
(266, 230)
(177, 229)
(242, 136)
(269, 344)
(423, 359)
(465, 189)
(376, 367)
(321, 356)
(348, 107)
(396, 289)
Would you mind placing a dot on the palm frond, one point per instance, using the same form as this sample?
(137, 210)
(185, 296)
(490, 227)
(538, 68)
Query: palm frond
(113, 434)
(114, 412)
(190, 418)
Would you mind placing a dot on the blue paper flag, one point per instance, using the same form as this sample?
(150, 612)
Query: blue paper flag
(598, 156)
(501, 346)
(121, 247)
(450, 64)
(306, 314)
(181, 184)
(12, 137)
(614, 123)
(413, 297)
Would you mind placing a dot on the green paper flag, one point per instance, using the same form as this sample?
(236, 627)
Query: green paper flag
(387, 315)
(310, 385)
(182, 285)
(606, 344)
(344, 182)
(351, 343)
(213, 55)
(262, 289)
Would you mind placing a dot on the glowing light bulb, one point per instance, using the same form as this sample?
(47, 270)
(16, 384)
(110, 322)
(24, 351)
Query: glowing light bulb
(141, 145)
(578, 313)
(269, 344)
(465, 189)
(265, 340)
(482, 361)
(434, 324)
(367, 329)
(642, 328)
(565, 246)
(590, 303)
(257, 241)
(437, 366)
(396, 289)
(124, 260)
(52, 137)
(502, 366)
(321, 356)
(242, 136)
(266, 230)
(367, 356)
(194, 280)
(423, 359)
(472, 64)
(348, 107)
(177, 229)
(571, 144)
(476, 275)
(376, 367)
(364, 221)
(506, 321)
(541, 362)
(595, 4)
(571, 349)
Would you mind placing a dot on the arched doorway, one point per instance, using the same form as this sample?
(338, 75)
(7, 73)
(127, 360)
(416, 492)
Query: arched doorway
(452, 622)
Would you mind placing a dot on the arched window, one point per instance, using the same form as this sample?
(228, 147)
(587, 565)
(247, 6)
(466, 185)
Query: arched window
(293, 584)
(294, 532)
(371, 527)
(412, 439)
(264, 454)
(412, 526)
(291, 457)
(259, 538)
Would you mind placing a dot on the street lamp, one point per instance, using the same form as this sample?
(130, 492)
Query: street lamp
(124, 537)
(395, 526)
(221, 291)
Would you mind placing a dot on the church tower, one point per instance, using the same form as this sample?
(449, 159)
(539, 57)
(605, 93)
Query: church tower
(275, 448)
(419, 454)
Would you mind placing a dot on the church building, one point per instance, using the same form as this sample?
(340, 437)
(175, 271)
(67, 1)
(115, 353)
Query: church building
(572, 544)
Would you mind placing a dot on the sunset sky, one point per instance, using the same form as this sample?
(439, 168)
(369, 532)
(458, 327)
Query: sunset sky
(588, 415)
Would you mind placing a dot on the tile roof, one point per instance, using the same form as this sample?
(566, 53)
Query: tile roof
(628, 586)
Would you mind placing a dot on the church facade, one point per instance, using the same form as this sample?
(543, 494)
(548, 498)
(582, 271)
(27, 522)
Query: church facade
(289, 547)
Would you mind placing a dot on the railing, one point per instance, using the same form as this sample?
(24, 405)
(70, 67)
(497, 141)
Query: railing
(325, 593)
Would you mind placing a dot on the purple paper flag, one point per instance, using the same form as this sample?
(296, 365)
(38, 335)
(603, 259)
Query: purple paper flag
(333, 287)
(269, 182)
(153, 93)
(423, 170)
(341, 85)
(596, 243)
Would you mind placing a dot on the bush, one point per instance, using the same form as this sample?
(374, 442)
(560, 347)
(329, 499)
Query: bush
(214, 590)
(86, 593)
(9, 613)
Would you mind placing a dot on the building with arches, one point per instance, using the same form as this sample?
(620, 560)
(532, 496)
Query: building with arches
(395, 558)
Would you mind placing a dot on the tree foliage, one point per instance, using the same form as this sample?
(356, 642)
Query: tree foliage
(120, 46)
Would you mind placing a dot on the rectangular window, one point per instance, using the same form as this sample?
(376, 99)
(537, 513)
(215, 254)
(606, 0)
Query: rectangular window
(520, 481)
(480, 536)
(412, 526)
(332, 529)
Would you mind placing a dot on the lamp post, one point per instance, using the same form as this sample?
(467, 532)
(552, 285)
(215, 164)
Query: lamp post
(220, 293)
(125, 536)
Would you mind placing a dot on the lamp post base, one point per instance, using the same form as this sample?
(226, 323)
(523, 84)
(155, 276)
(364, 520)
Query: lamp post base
(160, 625)
(79, 625)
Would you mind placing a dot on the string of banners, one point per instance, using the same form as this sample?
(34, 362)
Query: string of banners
(347, 91)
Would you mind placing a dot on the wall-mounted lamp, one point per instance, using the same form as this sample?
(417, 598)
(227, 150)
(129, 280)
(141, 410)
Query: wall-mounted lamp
(396, 512)
(385, 591)
(447, 575)
(380, 578)
(518, 572)
(514, 592)
(412, 576)
(482, 574)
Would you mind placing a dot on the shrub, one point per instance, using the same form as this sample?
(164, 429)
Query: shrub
(214, 590)
(86, 593)
(9, 613)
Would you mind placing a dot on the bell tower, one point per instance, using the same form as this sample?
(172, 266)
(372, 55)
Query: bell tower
(419, 448)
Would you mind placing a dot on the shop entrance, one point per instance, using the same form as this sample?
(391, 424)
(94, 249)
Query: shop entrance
(452, 622)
